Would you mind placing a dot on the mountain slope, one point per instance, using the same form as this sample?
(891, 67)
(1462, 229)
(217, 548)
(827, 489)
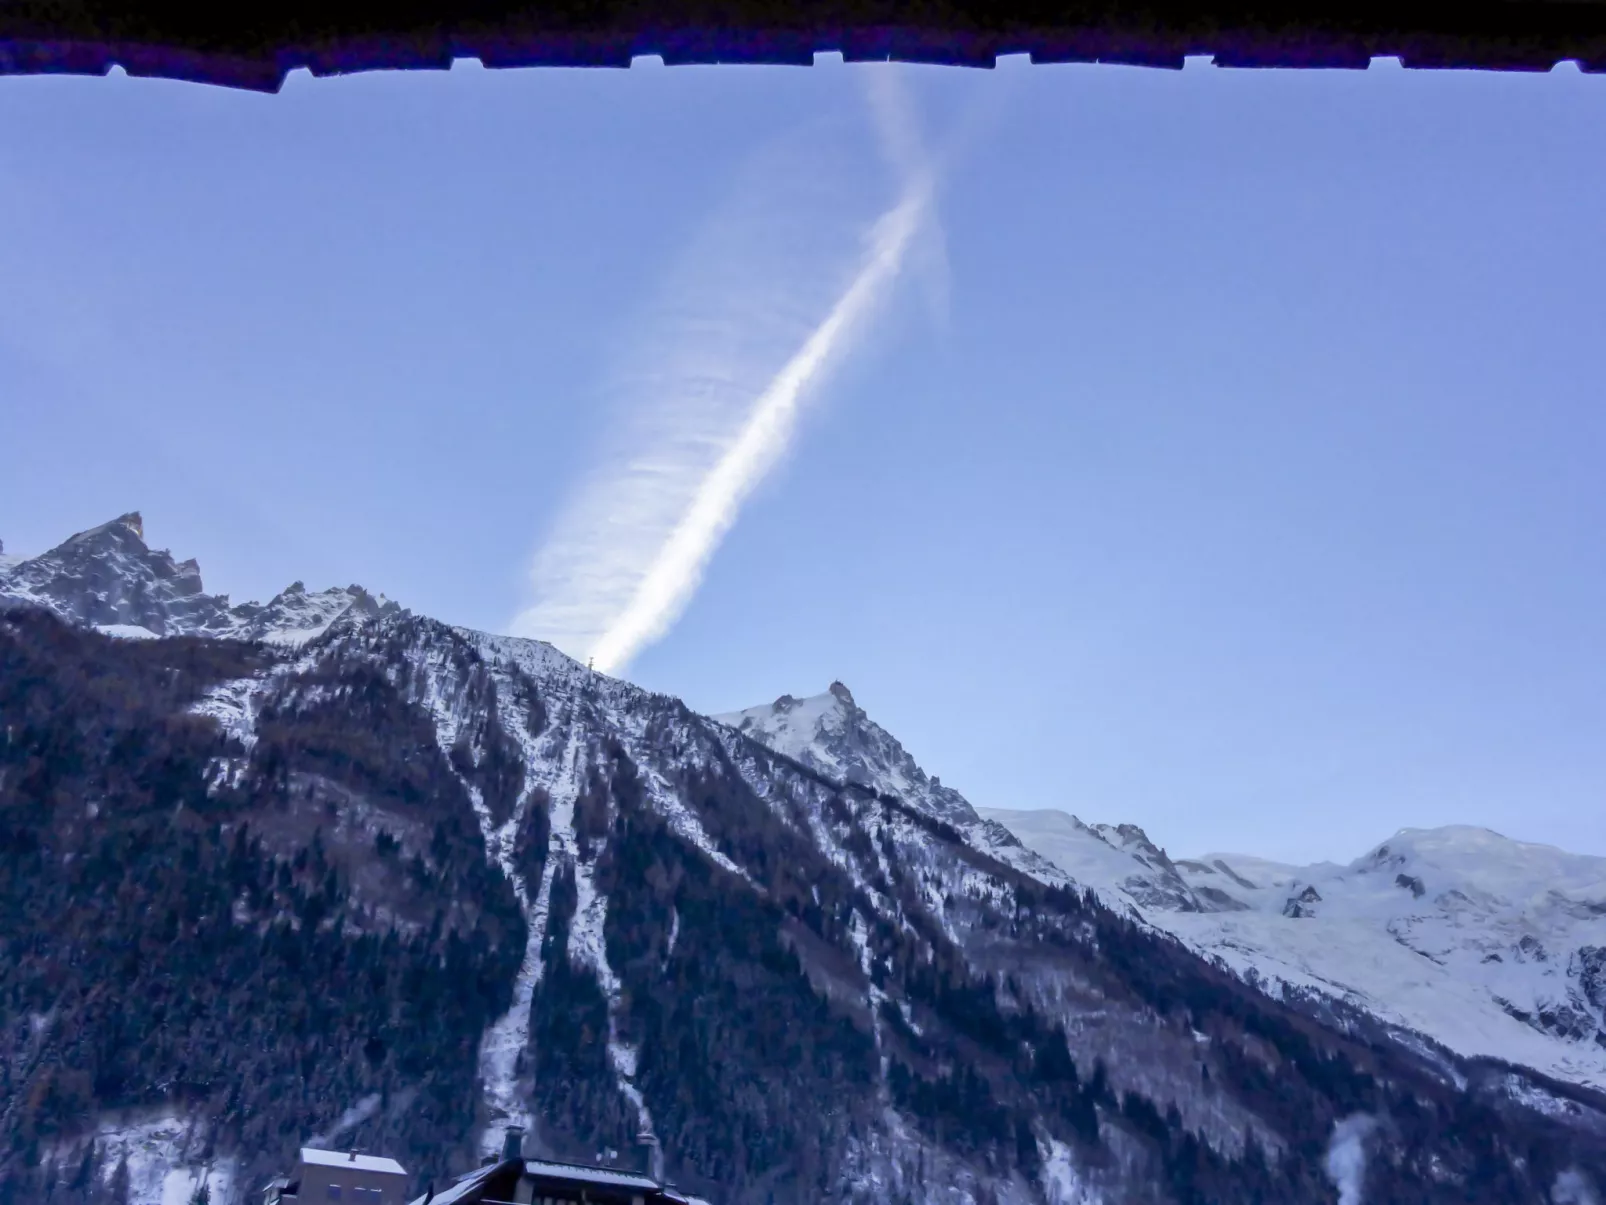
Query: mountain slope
(831, 735)
(401, 882)
(1492, 946)
(1119, 862)
(1486, 945)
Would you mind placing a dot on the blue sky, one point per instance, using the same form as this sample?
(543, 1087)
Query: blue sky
(1225, 456)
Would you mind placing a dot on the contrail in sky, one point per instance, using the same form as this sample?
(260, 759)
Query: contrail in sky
(677, 569)
(625, 558)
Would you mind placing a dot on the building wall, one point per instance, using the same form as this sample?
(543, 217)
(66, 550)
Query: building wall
(350, 1185)
(549, 1190)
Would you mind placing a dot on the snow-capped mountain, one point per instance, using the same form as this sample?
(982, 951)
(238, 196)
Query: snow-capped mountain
(413, 882)
(1490, 946)
(107, 578)
(830, 733)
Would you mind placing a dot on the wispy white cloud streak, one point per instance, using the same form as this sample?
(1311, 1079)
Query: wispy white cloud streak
(678, 568)
(750, 340)
(898, 130)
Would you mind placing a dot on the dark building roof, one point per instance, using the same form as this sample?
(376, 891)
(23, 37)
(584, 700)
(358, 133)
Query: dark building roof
(498, 1183)
(255, 43)
(547, 1170)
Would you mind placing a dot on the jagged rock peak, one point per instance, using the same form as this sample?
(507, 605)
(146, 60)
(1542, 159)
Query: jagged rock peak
(108, 578)
(831, 733)
(132, 522)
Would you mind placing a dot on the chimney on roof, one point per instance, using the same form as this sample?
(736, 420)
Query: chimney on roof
(513, 1143)
(655, 1156)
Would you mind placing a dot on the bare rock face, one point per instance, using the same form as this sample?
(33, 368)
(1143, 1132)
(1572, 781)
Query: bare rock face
(1591, 971)
(1411, 883)
(108, 578)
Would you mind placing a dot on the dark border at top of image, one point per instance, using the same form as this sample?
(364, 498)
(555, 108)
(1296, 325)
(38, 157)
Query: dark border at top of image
(255, 44)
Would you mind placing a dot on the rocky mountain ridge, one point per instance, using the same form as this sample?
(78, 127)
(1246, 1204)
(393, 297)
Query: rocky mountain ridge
(1490, 946)
(400, 883)
(108, 579)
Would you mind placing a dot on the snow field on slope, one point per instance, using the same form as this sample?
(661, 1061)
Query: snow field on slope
(793, 731)
(159, 1152)
(1062, 1183)
(234, 704)
(561, 777)
(553, 770)
(560, 677)
(1434, 931)
(1350, 962)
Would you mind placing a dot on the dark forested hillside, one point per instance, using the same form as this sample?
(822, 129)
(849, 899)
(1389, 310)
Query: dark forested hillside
(394, 884)
(166, 945)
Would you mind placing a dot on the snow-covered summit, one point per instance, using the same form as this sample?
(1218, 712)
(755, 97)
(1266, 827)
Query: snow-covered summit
(832, 735)
(108, 578)
(1523, 924)
(1490, 946)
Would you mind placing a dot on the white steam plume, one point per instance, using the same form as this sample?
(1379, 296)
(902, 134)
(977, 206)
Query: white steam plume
(1346, 1156)
(754, 327)
(354, 1116)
